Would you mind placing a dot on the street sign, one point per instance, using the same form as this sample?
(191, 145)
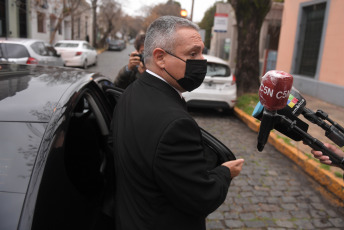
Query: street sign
(220, 22)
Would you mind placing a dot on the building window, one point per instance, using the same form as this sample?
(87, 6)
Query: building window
(309, 39)
(3, 18)
(40, 22)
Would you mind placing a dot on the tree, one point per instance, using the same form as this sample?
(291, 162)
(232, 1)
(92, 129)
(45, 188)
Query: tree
(207, 23)
(110, 14)
(94, 22)
(68, 7)
(135, 25)
(249, 15)
(170, 8)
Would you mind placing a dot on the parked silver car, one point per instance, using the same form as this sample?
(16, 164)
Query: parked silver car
(29, 51)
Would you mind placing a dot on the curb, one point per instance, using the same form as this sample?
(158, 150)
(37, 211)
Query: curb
(311, 167)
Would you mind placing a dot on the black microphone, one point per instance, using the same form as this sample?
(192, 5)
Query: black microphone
(280, 126)
(297, 105)
(273, 95)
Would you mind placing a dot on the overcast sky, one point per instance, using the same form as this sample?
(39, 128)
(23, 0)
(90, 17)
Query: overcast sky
(134, 7)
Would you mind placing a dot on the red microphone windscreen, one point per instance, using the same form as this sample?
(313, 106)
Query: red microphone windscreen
(274, 89)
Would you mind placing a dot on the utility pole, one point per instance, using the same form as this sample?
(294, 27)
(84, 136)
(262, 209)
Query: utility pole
(192, 6)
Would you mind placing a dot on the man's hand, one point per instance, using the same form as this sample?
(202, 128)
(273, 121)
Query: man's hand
(234, 166)
(326, 159)
(141, 68)
(134, 60)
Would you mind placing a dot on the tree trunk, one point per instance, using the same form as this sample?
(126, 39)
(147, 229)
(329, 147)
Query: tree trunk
(53, 33)
(102, 41)
(250, 16)
(94, 23)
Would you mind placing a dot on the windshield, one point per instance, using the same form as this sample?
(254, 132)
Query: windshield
(218, 70)
(67, 45)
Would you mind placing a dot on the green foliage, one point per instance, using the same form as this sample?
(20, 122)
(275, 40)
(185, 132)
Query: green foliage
(247, 102)
(326, 167)
(285, 140)
(338, 174)
(207, 23)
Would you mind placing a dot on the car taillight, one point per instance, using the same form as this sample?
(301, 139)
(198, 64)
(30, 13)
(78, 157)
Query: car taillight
(78, 53)
(233, 80)
(31, 60)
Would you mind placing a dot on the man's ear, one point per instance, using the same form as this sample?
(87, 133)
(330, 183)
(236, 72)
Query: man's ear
(159, 57)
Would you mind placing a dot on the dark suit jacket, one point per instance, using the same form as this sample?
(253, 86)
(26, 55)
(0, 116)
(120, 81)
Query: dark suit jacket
(161, 177)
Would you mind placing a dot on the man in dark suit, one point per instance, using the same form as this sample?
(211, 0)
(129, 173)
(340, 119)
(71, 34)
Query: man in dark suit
(161, 177)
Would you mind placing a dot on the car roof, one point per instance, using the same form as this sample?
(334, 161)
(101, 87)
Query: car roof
(214, 59)
(30, 93)
(71, 41)
(21, 41)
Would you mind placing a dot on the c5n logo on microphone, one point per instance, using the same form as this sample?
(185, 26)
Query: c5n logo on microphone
(270, 92)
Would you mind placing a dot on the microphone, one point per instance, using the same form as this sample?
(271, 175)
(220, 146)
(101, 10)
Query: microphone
(273, 93)
(280, 126)
(297, 105)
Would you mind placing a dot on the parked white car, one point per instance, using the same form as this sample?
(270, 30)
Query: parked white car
(218, 89)
(77, 53)
(29, 51)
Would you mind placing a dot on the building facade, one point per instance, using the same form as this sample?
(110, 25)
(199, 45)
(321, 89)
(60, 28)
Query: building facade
(311, 47)
(38, 18)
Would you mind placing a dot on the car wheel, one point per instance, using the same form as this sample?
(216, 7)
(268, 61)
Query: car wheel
(85, 64)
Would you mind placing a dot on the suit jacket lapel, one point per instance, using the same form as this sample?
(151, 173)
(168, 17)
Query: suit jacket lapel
(163, 86)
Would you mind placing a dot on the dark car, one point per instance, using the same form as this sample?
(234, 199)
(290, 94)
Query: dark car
(55, 156)
(117, 45)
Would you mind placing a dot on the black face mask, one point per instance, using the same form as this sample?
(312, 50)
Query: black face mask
(195, 72)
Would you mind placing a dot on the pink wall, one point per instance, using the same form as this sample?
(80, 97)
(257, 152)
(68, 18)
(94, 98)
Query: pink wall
(332, 61)
(287, 35)
(332, 66)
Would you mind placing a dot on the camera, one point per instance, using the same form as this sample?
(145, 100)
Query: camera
(141, 57)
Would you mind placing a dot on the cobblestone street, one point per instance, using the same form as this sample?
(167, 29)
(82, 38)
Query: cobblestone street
(271, 192)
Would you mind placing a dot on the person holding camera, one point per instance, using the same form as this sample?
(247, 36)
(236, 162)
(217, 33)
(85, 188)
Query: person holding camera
(135, 67)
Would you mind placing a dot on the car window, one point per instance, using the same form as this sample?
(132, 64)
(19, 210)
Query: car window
(39, 48)
(14, 50)
(66, 45)
(89, 47)
(218, 70)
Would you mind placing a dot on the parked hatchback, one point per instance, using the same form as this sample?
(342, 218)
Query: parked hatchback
(218, 89)
(29, 51)
(77, 53)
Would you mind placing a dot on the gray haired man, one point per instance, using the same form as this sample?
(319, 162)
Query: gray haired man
(162, 181)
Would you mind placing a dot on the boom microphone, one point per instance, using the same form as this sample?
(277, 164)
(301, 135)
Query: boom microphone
(273, 95)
